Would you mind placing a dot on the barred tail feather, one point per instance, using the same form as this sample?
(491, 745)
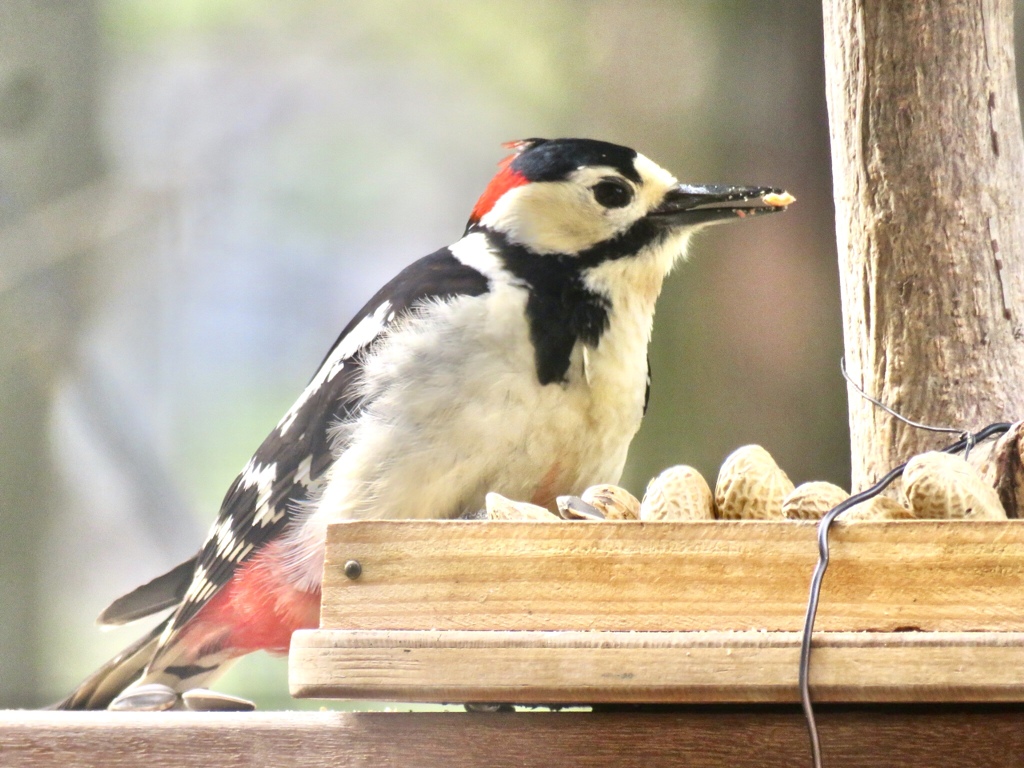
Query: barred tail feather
(145, 662)
(104, 685)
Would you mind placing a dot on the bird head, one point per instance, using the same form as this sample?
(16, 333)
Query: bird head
(596, 202)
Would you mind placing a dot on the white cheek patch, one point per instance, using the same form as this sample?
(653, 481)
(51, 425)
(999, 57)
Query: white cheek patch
(564, 217)
(548, 217)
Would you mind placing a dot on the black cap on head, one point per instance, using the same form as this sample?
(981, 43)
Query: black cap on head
(555, 159)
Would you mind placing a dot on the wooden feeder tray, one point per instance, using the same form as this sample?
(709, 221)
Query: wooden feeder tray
(666, 612)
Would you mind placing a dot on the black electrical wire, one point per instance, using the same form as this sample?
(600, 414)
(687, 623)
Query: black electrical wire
(968, 441)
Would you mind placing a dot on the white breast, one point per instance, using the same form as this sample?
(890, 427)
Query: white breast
(455, 410)
(451, 420)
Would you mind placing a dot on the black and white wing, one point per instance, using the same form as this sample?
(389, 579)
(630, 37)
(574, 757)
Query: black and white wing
(281, 473)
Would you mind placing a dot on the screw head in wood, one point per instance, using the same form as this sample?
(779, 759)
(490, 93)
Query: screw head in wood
(353, 569)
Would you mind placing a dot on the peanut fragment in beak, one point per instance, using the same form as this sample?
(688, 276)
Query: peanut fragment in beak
(776, 200)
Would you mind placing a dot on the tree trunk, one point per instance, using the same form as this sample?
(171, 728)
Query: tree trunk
(928, 164)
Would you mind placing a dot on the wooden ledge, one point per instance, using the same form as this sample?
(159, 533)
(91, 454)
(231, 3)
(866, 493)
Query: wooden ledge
(718, 737)
(932, 576)
(654, 667)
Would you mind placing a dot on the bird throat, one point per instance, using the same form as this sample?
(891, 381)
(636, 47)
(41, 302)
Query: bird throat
(561, 309)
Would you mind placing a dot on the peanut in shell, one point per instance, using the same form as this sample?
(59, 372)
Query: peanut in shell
(810, 501)
(877, 509)
(500, 508)
(616, 503)
(1008, 470)
(678, 493)
(751, 486)
(942, 486)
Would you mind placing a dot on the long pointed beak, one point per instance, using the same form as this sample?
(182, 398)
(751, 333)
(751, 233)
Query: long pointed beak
(705, 204)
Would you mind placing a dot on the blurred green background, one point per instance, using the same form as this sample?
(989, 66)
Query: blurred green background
(195, 195)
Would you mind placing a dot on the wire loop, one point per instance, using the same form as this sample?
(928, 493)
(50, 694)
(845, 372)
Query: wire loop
(967, 441)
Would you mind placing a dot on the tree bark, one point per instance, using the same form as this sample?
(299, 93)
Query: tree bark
(928, 164)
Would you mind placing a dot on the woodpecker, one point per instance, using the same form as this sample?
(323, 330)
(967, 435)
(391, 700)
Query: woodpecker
(513, 361)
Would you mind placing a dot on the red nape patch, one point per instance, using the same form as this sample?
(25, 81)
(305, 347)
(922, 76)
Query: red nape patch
(257, 607)
(504, 180)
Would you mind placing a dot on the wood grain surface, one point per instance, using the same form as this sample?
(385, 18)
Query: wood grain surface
(654, 667)
(708, 737)
(945, 576)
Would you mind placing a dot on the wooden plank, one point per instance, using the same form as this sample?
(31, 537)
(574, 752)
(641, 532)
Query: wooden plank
(944, 576)
(653, 667)
(715, 737)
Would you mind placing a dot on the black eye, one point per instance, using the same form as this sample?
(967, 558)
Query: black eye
(613, 193)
